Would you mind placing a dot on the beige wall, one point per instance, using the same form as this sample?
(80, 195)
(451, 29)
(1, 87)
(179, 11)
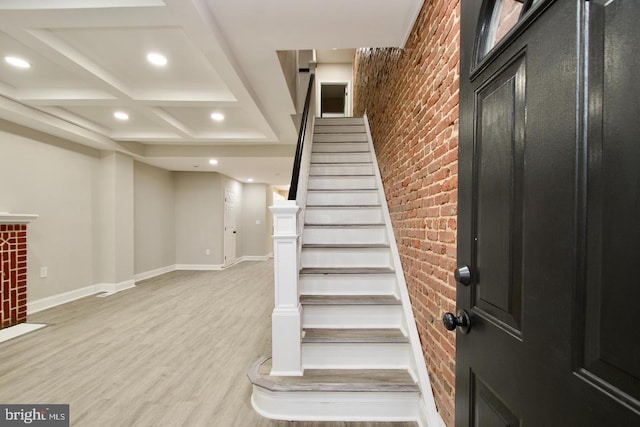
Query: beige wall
(104, 217)
(198, 218)
(53, 178)
(154, 218)
(113, 236)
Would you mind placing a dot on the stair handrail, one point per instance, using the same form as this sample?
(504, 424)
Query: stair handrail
(295, 176)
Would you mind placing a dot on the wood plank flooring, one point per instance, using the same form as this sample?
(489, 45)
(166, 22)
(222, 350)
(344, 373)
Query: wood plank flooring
(173, 351)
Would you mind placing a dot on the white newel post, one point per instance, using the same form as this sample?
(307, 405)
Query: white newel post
(285, 322)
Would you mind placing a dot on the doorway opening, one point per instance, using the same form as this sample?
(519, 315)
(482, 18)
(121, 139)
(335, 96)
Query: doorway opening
(333, 99)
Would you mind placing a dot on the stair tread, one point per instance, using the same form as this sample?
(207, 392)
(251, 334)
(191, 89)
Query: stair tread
(337, 131)
(347, 164)
(349, 300)
(348, 175)
(345, 245)
(334, 380)
(348, 270)
(316, 335)
(344, 225)
(376, 205)
(340, 152)
(363, 143)
(334, 163)
(341, 206)
(343, 190)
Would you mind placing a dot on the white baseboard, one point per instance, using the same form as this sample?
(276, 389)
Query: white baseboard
(112, 288)
(55, 300)
(153, 273)
(254, 258)
(65, 297)
(203, 267)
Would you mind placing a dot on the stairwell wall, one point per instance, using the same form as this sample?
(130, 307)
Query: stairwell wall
(411, 99)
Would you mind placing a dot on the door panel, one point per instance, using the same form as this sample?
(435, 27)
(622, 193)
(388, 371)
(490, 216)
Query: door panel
(499, 151)
(548, 215)
(489, 410)
(230, 232)
(612, 204)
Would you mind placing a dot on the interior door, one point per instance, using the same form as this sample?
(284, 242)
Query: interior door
(230, 232)
(549, 210)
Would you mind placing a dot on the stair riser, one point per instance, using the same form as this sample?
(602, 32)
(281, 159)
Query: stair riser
(333, 147)
(324, 128)
(333, 158)
(355, 257)
(353, 406)
(342, 183)
(326, 235)
(343, 215)
(342, 198)
(340, 137)
(355, 356)
(357, 169)
(352, 316)
(340, 121)
(347, 284)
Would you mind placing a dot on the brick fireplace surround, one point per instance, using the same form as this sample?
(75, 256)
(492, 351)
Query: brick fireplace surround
(13, 268)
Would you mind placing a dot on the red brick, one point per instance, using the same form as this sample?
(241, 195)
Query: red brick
(411, 99)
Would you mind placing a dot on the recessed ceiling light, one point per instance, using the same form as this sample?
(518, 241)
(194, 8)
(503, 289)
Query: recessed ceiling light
(17, 62)
(121, 115)
(250, 180)
(157, 59)
(213, 162)
(218, 117)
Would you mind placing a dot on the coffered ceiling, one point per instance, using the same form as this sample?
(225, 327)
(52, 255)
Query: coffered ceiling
(88, 60)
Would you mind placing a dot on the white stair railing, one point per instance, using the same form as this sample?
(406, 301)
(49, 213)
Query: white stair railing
(288, 220)
(285, 321)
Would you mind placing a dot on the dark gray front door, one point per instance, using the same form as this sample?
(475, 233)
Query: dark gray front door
(549, 213)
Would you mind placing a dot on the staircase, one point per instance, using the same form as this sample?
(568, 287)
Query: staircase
(357, 356)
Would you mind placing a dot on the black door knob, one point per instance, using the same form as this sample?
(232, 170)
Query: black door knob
(461, 321)
(463, 275)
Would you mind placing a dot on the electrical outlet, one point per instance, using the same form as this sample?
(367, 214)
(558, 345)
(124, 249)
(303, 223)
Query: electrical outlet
(207, 252)
(43, 272)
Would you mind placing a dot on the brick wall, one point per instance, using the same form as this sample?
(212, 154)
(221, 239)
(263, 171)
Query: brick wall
(411, 98)
(13, 274)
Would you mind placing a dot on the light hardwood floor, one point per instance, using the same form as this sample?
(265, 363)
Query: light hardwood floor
(174, 351)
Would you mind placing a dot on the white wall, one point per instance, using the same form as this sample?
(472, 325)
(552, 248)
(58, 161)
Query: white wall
(199, 212)
(335, 73)
(154, 218)
(55, 179)
(254, 220)
(268, 241)
(289, 64)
